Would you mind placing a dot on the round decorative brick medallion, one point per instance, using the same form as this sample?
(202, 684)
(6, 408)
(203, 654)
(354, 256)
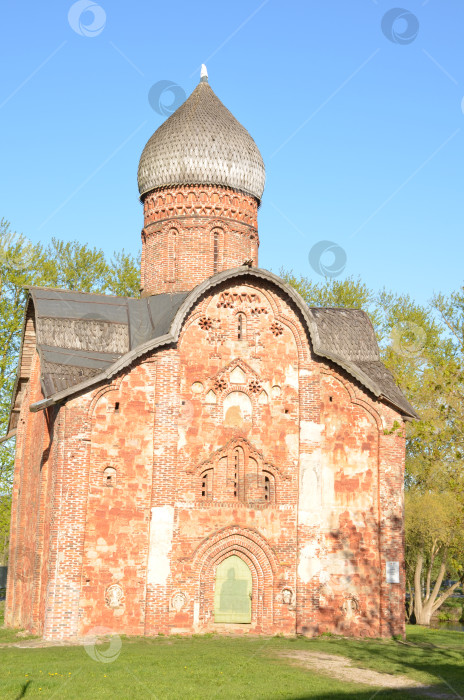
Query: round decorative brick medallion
(114, 595)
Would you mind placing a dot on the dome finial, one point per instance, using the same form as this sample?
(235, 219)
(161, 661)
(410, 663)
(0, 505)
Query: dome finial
(203, 74)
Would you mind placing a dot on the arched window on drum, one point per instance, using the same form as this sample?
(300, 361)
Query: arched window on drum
(217, 245)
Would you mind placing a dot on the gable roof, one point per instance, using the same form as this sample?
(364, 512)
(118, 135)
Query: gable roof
(83, 339)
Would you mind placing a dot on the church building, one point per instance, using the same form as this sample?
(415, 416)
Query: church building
(214, 455)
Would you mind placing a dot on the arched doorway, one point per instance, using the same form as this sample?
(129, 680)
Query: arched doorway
(232, 594)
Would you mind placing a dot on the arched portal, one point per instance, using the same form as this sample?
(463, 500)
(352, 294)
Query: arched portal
(233, 589)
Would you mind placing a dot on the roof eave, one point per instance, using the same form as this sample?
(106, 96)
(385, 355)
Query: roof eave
(176, 325)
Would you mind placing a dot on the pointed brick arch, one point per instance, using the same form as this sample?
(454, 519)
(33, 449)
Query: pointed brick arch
(255, 551)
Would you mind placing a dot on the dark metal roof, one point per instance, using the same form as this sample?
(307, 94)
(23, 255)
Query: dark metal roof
(80, 335)
(349, 334)
(346, 332)
(87, 338)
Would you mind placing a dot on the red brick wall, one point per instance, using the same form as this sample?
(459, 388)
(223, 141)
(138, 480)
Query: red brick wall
(117, 516)
(347, 570)
(140, 557)
(28, 508)
(192, 232)
(217, 368)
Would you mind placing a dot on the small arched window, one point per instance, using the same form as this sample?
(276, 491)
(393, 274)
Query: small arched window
(207, 484)
(109, 477)
(172, 255)
(241, 326)
(269, 487)
(217, 250)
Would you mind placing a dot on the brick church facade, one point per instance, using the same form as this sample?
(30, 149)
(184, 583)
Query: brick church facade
(214, 455)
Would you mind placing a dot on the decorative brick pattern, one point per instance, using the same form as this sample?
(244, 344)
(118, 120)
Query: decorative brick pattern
(190, 233)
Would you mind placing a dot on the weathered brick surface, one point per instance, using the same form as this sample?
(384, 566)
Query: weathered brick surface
(234, 441)
(28, 510)
(192, 232)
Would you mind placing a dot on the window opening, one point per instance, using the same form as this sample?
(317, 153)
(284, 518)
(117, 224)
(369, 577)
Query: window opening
(206, 484)
(236, 465)
(267, 489)
(109, 477)
(215, 251)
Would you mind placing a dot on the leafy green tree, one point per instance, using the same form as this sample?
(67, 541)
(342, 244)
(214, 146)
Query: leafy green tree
(70, 265)
(435, 542)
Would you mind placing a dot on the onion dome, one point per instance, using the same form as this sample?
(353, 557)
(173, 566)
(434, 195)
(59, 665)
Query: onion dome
(202, 144)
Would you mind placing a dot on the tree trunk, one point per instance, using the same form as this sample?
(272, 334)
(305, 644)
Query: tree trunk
(425, 606)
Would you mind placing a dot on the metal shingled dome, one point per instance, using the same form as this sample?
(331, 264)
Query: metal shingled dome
(202, 144)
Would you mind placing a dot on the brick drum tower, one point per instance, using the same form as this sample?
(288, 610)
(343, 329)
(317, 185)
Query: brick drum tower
(215, 455)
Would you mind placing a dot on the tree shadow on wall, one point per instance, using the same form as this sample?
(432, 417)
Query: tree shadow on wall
(348, 603)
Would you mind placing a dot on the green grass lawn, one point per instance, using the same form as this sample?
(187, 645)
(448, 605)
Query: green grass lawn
(228, 667)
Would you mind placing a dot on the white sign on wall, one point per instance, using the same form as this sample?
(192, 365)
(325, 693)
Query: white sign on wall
(392, 571)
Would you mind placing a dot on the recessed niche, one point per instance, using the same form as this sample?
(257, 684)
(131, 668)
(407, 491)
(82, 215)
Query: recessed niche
(197, 387)
(237, 409)
(210, 397)
(109, 477)
(237, 376)
(276, 391)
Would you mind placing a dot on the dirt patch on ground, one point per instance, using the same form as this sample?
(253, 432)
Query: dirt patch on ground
(38, 643)
(342, 668)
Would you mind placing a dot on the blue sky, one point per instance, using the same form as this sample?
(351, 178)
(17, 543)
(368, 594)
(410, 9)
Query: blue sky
(361, 130)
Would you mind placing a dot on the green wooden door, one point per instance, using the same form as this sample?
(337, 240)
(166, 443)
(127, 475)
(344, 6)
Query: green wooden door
(232, 595)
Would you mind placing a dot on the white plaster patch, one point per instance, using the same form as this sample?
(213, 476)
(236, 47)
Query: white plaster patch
(161, 532)
(182, 439)
(310, 431)
(309, 496)
(291, 376)
(292, 442)
(328, 486)
(309, 564)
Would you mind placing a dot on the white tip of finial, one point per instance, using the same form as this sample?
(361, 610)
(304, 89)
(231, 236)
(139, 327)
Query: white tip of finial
(204, 74)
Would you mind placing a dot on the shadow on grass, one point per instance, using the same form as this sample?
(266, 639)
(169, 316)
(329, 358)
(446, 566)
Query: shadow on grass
(434, 691)
(432, 658)
(23, 691)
